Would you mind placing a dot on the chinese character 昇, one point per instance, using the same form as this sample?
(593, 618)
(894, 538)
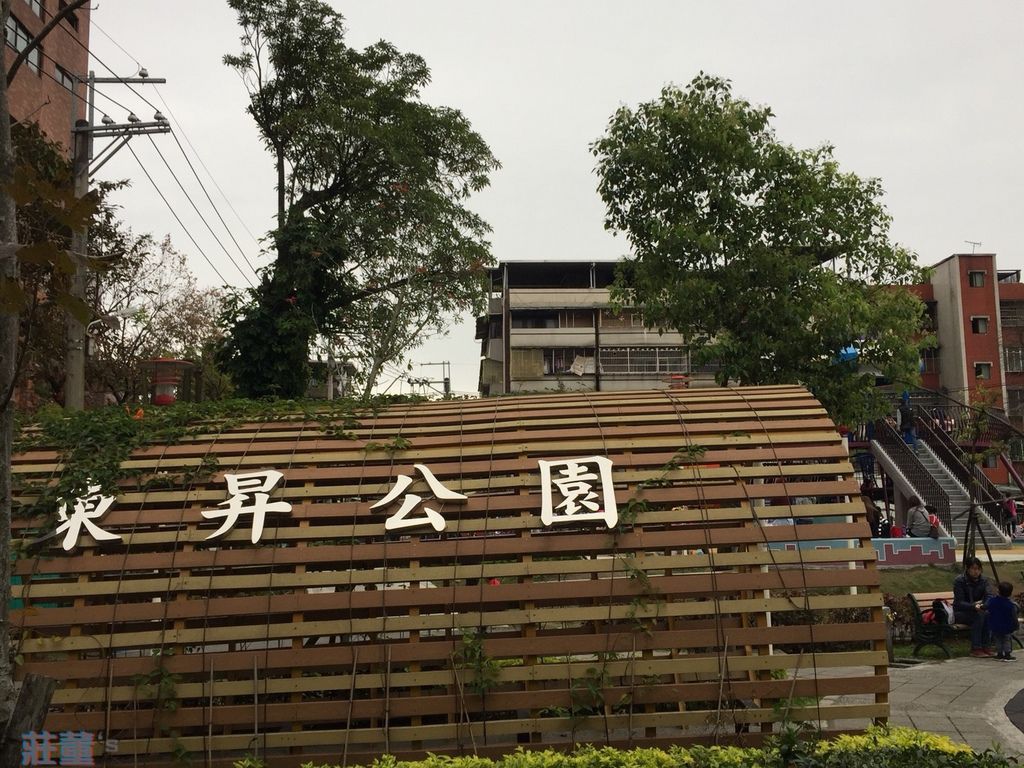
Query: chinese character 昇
(241, 487)
(574, 479)
(429, 516)
(38, 748)
(88, 508)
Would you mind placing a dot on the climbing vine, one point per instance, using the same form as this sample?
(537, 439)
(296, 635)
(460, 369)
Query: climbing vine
(483, 671)
(92, 446)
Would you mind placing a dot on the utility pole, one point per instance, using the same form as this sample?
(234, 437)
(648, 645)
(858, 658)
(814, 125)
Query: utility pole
(446, 378)
(84, 133)
(74, 356)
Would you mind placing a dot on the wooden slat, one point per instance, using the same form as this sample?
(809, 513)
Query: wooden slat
(355, 633)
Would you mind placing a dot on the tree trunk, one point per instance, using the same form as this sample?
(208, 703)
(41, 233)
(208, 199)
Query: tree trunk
(29, 715)
(8, 352)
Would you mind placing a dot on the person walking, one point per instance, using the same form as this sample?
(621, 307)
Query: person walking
(905, 422)
(1002, 620)
(971, 591)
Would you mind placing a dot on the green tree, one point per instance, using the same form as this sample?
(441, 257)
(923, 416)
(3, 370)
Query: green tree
(371, 190)
(769, 259)
(18, 182)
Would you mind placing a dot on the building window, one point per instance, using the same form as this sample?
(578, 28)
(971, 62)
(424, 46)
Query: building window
(568, 360)
(627, 318)
(1014, 359)
(979, 325)
(37, 7)
(1015, 406)
(18, 38)
(576, 318)
(65, 79)
(983, 370)
(930, 360)
(641, 360)
(71, 18)
(976, 279)
(530, 319)
(1011, 312)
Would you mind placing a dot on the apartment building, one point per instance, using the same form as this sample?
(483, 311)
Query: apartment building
(550, 326)
(49, 88)
(977, 315)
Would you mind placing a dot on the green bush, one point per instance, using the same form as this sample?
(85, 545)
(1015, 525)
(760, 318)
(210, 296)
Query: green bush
(879, 747)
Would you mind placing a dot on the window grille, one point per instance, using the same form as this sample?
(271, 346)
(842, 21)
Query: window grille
(643, 360)
(1011, 312)
(1014, 359)
(18, 38)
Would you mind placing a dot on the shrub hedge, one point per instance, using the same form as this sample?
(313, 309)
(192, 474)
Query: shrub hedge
(879, 747)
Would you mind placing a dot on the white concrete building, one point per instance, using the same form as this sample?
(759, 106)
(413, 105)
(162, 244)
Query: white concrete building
(550, 326)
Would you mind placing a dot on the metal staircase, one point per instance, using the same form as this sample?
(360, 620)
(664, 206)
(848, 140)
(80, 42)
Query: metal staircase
(959, 500)
(936, 474)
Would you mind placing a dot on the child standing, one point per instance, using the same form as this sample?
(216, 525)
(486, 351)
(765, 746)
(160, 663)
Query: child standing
(1002, 620)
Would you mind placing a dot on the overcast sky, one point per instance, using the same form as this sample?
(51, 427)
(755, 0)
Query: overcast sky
(924, 95)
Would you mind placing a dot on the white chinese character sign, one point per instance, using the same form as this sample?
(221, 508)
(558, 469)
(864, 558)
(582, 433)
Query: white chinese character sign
(427, 516)
(90, 507)
(257, 485)
(584, 487)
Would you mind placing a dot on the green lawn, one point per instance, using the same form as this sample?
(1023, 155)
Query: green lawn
(933, 578)
(930, 652)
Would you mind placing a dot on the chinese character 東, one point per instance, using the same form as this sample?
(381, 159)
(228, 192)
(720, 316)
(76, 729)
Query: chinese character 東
(257, 485)
(574, 481)
(88, 508)
(401, 518)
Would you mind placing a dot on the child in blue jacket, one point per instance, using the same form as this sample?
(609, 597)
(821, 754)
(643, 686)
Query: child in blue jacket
(1002, 620)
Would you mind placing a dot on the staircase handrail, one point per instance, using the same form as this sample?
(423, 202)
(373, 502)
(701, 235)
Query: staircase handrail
(959, 465)
(927, 487)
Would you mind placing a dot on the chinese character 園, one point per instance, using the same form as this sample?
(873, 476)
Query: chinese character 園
(574, 480)
(401, 518)
(241, 487)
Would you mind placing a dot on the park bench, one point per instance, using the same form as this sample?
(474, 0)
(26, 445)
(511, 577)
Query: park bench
(937, 634)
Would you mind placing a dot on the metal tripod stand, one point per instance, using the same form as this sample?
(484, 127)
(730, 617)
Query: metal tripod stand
(972, 533)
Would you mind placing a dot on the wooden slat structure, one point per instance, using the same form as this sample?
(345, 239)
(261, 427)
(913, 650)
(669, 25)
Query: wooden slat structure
(333, 639)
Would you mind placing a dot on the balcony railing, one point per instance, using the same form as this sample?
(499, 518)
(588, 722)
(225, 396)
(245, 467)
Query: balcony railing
(969, 475)
(926, 486)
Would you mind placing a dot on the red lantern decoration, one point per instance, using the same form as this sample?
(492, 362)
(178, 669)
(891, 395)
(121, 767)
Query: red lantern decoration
(167, 374)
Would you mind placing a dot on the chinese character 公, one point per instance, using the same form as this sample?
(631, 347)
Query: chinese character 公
(38, 748)
(574, 482)
(88, 508)
(401, 519)
(76, 748)
(256, 484)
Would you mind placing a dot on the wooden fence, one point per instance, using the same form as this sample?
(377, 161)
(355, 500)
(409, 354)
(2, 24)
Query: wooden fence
(334, 639)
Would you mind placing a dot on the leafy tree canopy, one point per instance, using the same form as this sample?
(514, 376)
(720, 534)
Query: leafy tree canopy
(371, 190)
(770, 260)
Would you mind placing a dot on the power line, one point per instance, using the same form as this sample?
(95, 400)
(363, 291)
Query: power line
(102, 63)
(199, 213)
(175, 215)
(188, 161)
(98, 28)
(74, 93)
(181, 130)
(212, 204)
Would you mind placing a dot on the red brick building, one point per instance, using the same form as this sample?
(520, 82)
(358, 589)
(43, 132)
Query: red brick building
(49, 88)
(977, 316)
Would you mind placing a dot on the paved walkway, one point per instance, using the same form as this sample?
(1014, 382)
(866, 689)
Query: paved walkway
(970, 700)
